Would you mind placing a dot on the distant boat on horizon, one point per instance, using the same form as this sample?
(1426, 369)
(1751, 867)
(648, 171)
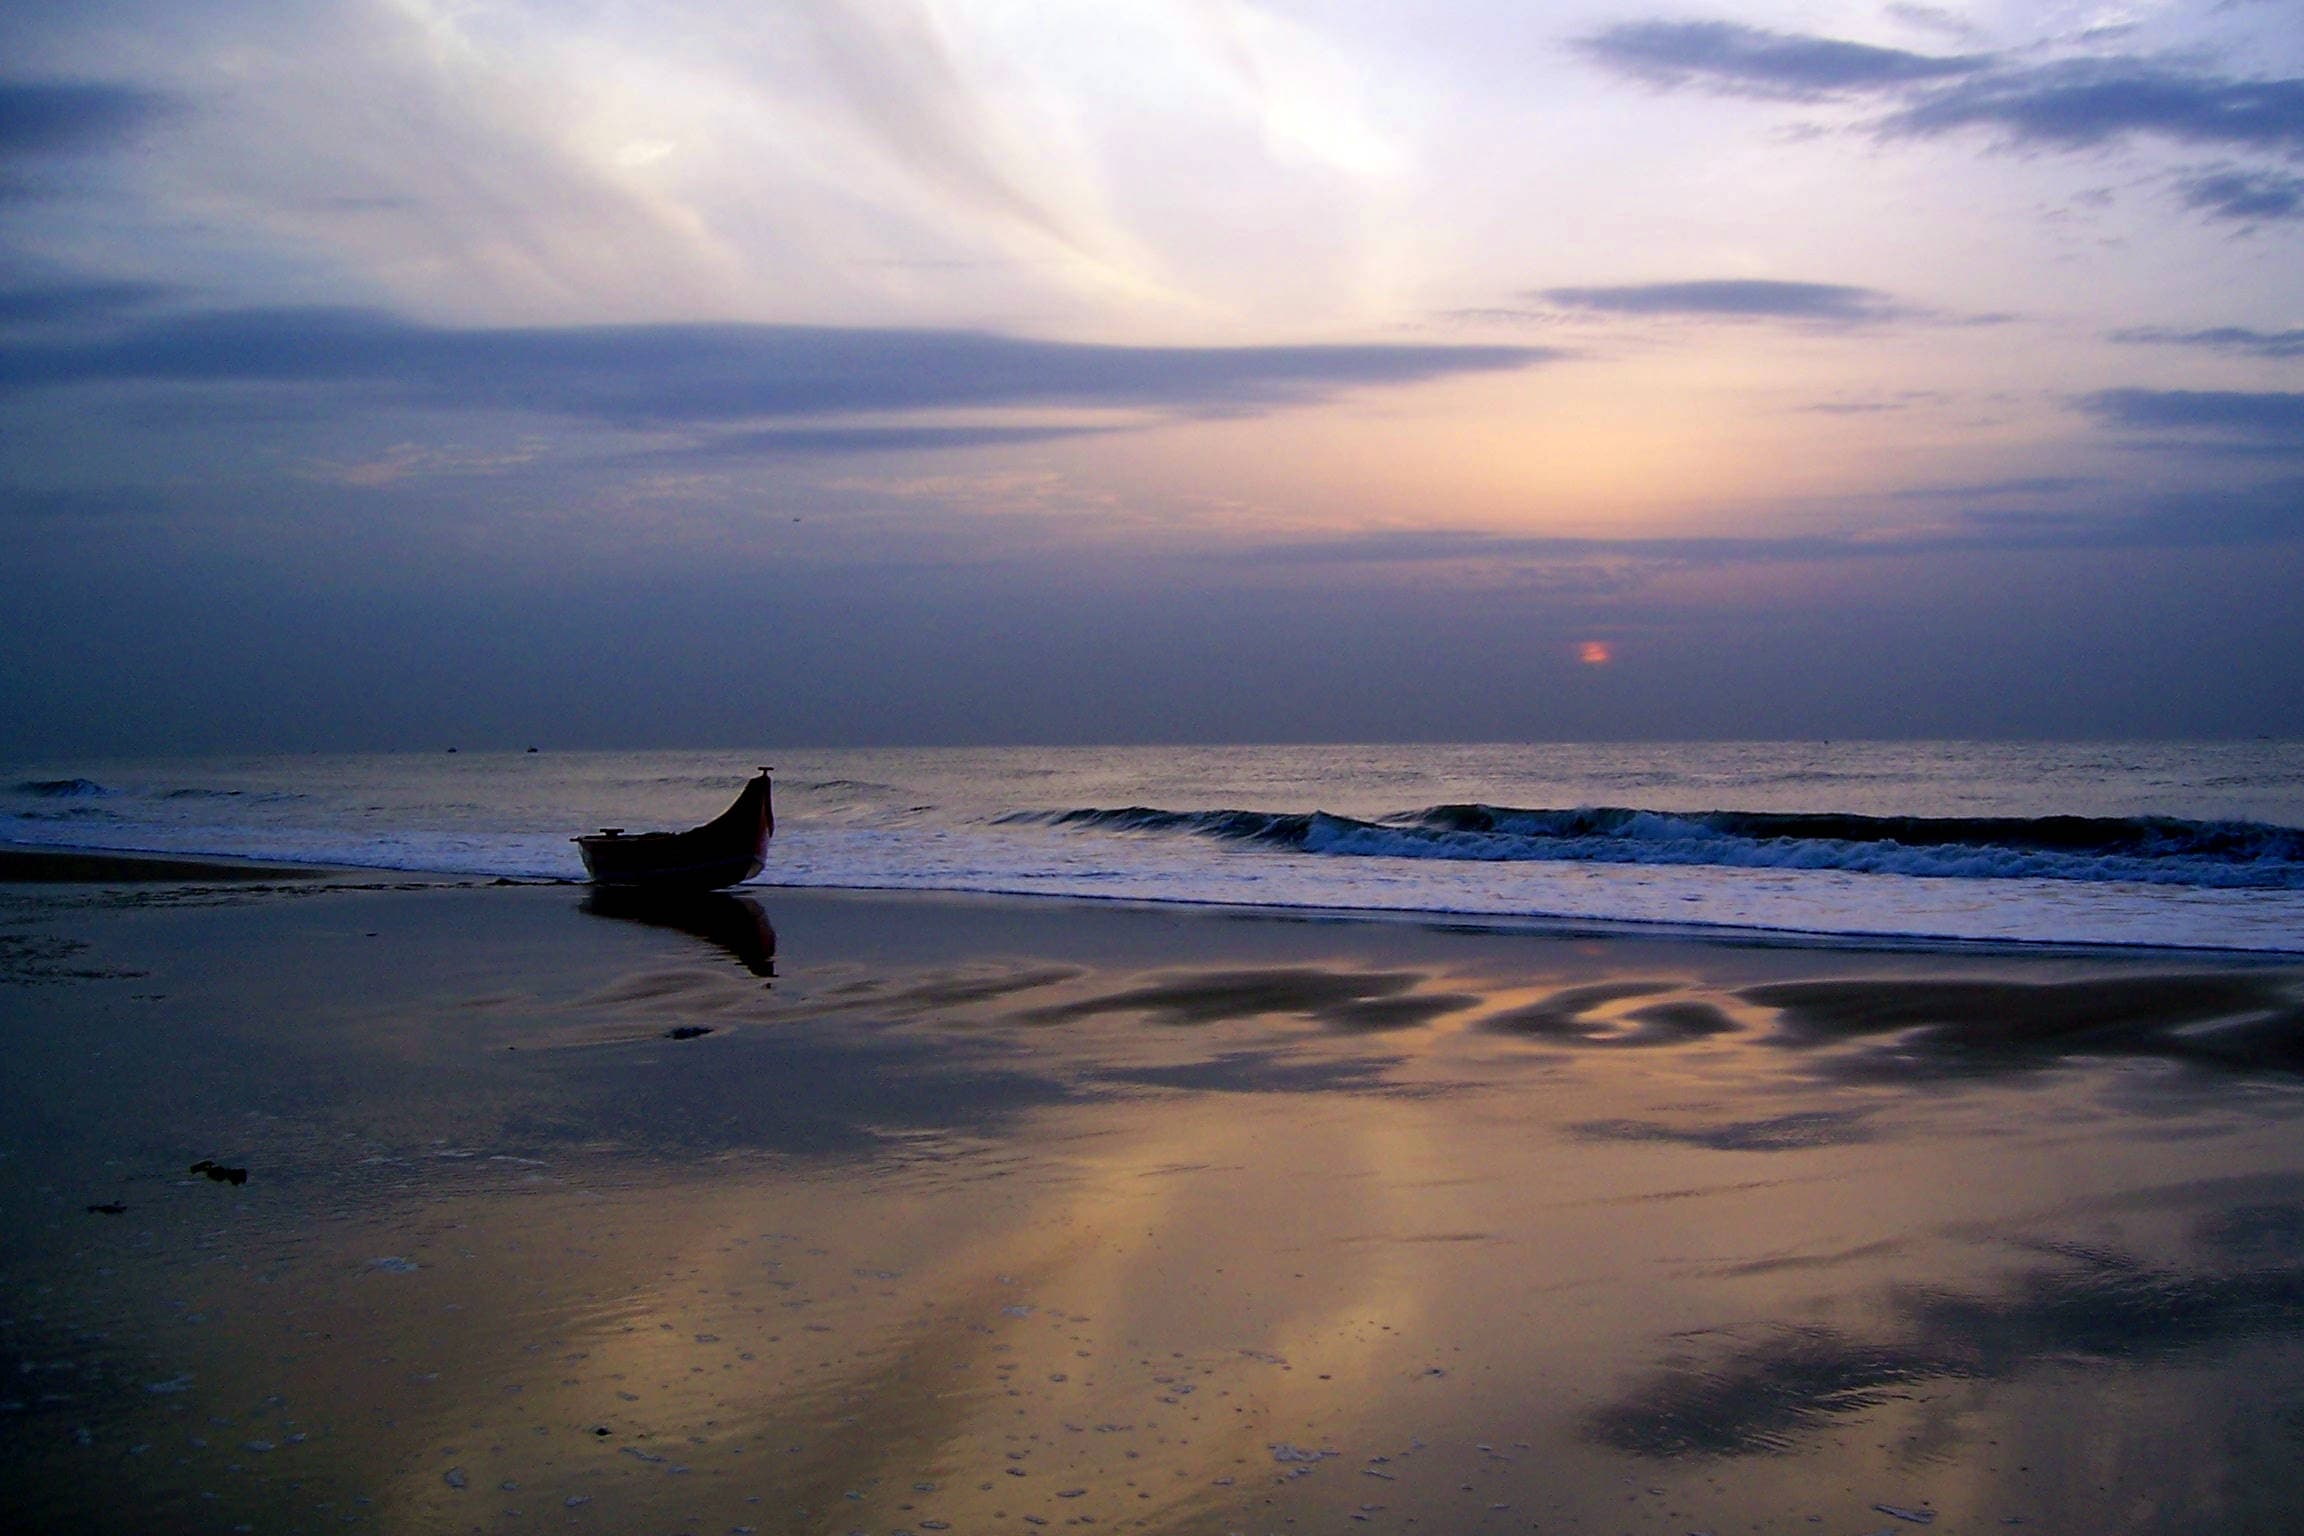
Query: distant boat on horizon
(727, 850)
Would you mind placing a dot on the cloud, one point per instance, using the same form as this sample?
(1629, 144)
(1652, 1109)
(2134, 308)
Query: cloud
(1566, 562)
(1929, 18)
(1734, 298)
(1903, 400)
(1986, 490)
(2082, 103)
(409, 461)
(831, 440)
(2222, 338)
(2247, 196)
(1740, 60)
(1498, 314)
(2271, 513)
(2273, 416)
(2067, 104)
(707, 373)
(2092, 518)
(59, 117)
(899, 75)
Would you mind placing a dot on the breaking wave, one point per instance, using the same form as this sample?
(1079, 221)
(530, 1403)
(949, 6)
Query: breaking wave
(60, 789)
(2155, 850)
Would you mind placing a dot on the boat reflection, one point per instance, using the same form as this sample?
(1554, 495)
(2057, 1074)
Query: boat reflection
(733, 923)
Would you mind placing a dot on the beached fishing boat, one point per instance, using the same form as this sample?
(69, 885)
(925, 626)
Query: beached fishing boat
(728, 849)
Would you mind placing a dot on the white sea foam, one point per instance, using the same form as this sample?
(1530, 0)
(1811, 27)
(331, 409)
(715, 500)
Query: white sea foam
(1402, 830)
(1837, 902)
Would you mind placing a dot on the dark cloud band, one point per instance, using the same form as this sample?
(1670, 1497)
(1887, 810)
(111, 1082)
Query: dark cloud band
(2272, 416)
(829, 441)
(1725, 56)
(2221, 338)
(2068, 104)
(653, 374)
(2249, 197)
(2082, 103)
(50, 117)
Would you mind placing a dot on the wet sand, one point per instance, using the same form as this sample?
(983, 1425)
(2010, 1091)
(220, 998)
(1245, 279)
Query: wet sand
(799, 1212)
(24, 865)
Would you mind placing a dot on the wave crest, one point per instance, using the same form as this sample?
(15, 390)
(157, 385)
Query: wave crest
(61, 789)
(2159, 850)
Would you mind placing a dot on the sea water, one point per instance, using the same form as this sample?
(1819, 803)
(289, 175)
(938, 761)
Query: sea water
(2177, 844)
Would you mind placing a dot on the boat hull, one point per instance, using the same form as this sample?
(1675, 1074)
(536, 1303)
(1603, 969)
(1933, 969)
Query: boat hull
(727, 850)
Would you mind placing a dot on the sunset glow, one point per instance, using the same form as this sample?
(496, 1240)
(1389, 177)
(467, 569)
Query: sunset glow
(1179, 337)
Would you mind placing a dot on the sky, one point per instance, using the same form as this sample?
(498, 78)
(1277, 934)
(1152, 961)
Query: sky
(385, 374)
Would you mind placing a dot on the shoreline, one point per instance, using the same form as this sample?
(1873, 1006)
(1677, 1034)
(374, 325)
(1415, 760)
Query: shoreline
(43, 864)
(39, 864)
(1540, 926)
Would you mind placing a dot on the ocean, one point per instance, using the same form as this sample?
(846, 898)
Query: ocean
(2152, 844)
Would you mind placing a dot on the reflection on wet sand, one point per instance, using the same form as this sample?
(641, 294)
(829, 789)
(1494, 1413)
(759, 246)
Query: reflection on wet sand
(1581, 1016)
(2072, 1306)
(999, 1217)
(1352, 1000)
(2251, 1022)
(734, 923)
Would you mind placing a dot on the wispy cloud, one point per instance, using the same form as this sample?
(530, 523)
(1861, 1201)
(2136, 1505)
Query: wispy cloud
(1499, 315)
(828, 441)
(1735, 299)
(1989, 490)
(412, 461)
(2059, 105)
(1726, 56)
(899, 76)
(2273, 417)
(1930, 18)
(2222, 338)
(1876, 404)
(2034, 513)
(2243, 196)
(1473, 547)
(672, 374)
(2083, 103)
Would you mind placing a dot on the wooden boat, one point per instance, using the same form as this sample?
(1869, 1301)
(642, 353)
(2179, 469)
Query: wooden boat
(728, 849)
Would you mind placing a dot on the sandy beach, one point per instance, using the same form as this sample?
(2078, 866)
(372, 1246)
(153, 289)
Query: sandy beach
(802, 1211)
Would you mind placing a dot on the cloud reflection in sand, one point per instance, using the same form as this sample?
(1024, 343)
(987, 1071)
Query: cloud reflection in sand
(976, 1215)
